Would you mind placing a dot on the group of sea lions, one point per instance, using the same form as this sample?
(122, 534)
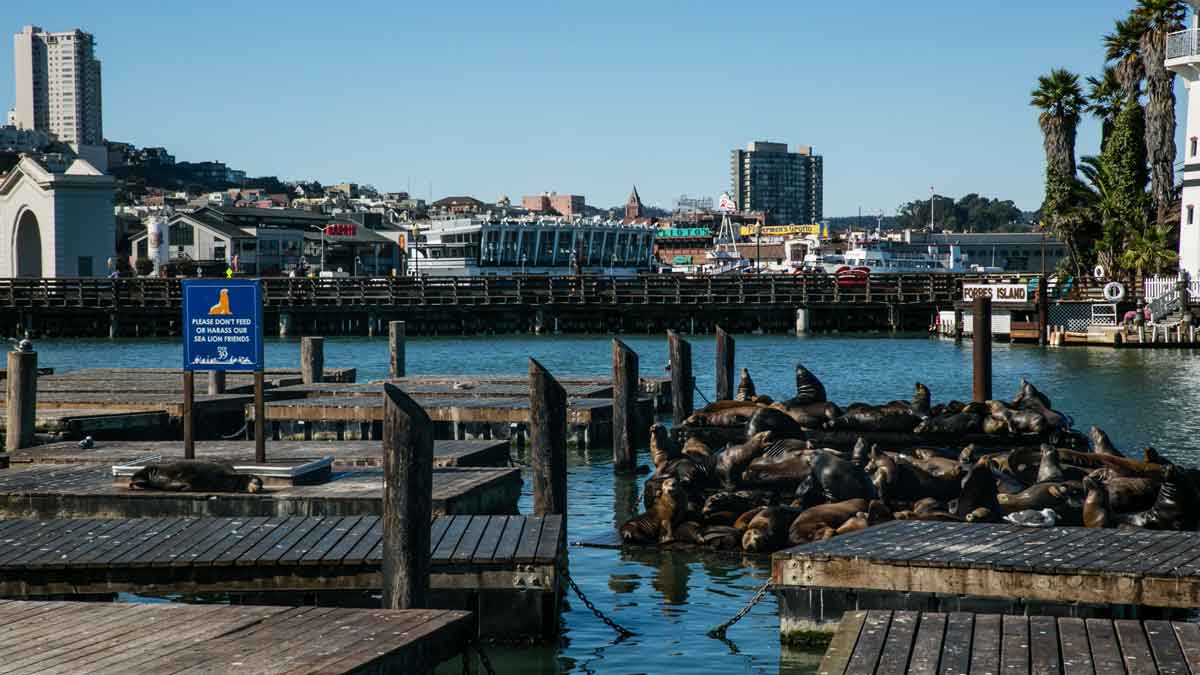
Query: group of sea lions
(775, 488)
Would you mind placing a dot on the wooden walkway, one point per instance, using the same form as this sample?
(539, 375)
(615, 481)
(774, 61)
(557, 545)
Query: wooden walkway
(580, 412)
(76, 637)
(89, 491)
(345, 453)
(887, 642)
(1067, 564)
(437, 390)
(194, 555)
(80, 422)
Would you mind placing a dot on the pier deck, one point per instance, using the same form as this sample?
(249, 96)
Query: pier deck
(884, 641)
(58, 423)
(1134, 567)
(71, 637)
(345, 454)
(580, 412)
(89, 491)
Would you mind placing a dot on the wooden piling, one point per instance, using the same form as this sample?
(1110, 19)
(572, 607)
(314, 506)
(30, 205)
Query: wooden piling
(312, 360)
(725, 360)
(216, 382)
(260, 415)
(1043, 307)
(981, 331)
(958, 326)
(407, 501)
(548, 441)
(624, 415)
(22, 400)
(682, 383)
(396, 340)
(189, 403)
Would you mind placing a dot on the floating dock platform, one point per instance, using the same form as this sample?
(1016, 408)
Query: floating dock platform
(74, 637)
(897, 642)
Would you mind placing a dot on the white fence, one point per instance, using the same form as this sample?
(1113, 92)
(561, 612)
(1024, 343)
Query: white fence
(1156, 287)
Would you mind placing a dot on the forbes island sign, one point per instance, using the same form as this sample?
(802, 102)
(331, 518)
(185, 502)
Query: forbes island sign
(999, 293)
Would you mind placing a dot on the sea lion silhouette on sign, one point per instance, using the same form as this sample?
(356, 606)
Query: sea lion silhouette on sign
(222, 306)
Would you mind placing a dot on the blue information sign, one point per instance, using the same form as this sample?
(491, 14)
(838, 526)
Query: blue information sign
(222, 324)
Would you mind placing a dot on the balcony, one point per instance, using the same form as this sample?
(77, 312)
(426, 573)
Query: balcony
(1184, 44)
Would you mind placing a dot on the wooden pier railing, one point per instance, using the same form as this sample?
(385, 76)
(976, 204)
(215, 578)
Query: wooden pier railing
(531, 290)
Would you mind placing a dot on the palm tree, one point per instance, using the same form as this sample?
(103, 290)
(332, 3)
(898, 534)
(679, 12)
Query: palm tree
(1105, 97)
(1061, 100)
(1149, 251)
(1123, 47)
(1160, 18)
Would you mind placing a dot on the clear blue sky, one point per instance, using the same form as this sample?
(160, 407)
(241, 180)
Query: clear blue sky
(512, 98)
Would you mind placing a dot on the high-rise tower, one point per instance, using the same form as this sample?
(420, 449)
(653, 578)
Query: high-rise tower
(1183, 57)
(58, 85)
(788, 186)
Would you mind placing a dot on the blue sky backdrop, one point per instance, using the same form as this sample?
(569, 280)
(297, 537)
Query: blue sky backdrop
(512, 98)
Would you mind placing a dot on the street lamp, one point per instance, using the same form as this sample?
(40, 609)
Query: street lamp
(612, 270)
(357, 262)
(322, 229)
(522, 263)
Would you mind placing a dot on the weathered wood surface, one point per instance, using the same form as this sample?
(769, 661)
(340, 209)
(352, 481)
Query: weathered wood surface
(193, 555)
(79, 422)
(580, 412)
(1064, 564)
(455, 389)
(886, 642)
(407, 494)
(345, 453)
(81, 491)
(166, 380)
(21, 400)
(74, 637)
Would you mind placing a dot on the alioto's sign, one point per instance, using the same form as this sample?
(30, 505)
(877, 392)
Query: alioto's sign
(1007, 293)
(222, 324)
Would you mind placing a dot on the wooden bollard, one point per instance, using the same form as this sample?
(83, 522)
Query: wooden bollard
(216, 382)
(396, 339)
(958, 325)
(624, 412)
(683, 385)
(22, 400)
(981, 332)
(1043, 307)
(547, 441)
(725, 360)
(312, 360)
(407, 501)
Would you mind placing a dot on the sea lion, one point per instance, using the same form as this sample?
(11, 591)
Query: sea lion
(807, 525)
(774, 420)
(978, 491)
(1101, 443)
(1095, 504)
(688, 532)
(938, 467)
(735, 502)
(745, 388)
(903, 482)
(834, 479)
(858, 522)
(808, 388)
(658, 524)
(1038, 497)
(809, 415)
(861, 454)
(723, 414)
(732, 460)
(920, 402)
(1174, 508)
(662, 448)
(954, 423)
(768, 530)
(1127, 494)
(1151, 456)
(873, 419)
(721, 538)
(785, 471)
(1029, 394)
(743, 521)
(720, 518)
(1049, 470)
(695, 447)
(933, 516)
(928, 504)
(194, 476)
(996, 426)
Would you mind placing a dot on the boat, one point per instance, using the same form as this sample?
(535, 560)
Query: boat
(885, 257)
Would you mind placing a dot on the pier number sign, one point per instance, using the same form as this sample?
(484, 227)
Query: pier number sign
(222, 324)
(1013, 293)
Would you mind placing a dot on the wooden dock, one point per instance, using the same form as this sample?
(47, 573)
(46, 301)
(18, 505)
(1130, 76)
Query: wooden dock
(346, 454)
(897, 642)
(488, 564)
(89, 491)
(66, 423)
(934, 565)
(74, 637)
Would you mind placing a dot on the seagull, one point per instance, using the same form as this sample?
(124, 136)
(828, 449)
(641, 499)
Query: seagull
(1031, 518)
(87, 443)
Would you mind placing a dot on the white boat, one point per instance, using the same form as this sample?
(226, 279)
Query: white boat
(884, 257)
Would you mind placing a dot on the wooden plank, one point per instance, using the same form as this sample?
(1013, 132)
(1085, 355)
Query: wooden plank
(437, 531)
(1076, 651)
(927, 648)
(145, 541)
(506, 549)
(362, 550)
(896, 651)
(871, 641)
(241, 529)
(1106, 654)
(454, 534)
(263, 546)
(1188, 635)
(841, 648)
(195, 531)
(245, 540)
(956, 651)
(1135, 650)
(527, 547)
(1014, 645)
(1167, 654)
(490, 539)
(470, 540)
(550, 540)
(329, 528)
(319, 551)
(1043, 646)
(273, 553)
(118, 542)
(63, 548)
(348, 542)
(985, 644)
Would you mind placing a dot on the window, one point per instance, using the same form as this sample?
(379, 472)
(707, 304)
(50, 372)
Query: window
(1191, 213)
(1193, 147)
(219, 252)
(85, 265)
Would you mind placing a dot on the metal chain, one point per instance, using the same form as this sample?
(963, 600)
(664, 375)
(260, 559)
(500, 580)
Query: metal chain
(483, 658)
(697, 388)
(719, 631)
(621, 630)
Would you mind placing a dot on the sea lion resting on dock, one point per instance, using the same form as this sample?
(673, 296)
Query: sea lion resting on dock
(194, 476)
(767, 531)
(723, 414)
(658, 524)
(833, 479)
(810, 524)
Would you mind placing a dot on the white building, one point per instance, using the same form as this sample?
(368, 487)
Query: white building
(1183, 57)
(56, 219)
(58, 86)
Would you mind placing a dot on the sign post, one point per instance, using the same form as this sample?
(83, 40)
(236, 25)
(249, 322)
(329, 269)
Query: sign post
(222, 331)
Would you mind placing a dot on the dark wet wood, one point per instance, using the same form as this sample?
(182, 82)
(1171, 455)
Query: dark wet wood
(21, 400)
(981, 349)
(882, 641)
(683, 384)
(70, 637)
(312, 360)
(396, 344)
(624, 402)
(725, 365)
(407, 500)
(547, 441)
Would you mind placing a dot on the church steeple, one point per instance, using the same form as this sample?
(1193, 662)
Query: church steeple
(633, 208)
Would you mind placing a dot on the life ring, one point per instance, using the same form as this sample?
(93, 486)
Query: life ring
(1114, 291)
(1098, 272)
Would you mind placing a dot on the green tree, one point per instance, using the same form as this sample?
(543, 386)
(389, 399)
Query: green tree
(1060, 100)
(1149, 251)
(1105, 100)
(1123, 48)
(1160, 18)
